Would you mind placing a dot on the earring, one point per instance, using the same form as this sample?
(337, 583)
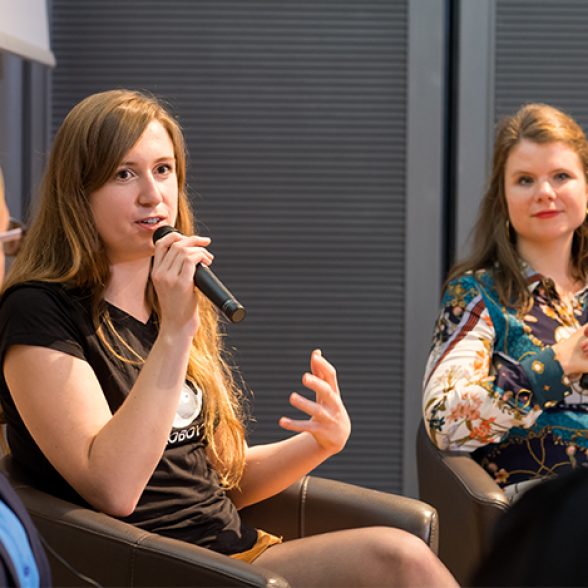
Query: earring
(509, 235)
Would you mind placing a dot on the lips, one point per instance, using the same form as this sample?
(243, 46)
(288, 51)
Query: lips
(150, 221)
(546, 214)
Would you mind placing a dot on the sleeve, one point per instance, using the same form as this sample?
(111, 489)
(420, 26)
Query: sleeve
(473, 394)
(40, 316)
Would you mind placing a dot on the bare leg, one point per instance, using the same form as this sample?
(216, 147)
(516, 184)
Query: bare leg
(371, 556)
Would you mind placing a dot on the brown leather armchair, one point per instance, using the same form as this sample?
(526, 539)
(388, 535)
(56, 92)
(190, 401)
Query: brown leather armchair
(113, 553)
(467, 499)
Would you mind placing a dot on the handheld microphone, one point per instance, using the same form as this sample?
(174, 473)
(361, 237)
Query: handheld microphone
(210, 285)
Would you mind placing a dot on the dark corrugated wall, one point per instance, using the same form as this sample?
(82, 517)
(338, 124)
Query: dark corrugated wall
(542, 55)
(294, 113)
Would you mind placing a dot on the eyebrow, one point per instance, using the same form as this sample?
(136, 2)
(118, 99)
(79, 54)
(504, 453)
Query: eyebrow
(520, 171)
(158, 160)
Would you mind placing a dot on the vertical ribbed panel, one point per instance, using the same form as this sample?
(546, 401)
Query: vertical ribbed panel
(542, 55)
(294, 113)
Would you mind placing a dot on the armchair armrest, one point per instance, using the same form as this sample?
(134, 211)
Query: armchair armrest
(317, 505)
(114, 553)
(468, 500)
(473, 481)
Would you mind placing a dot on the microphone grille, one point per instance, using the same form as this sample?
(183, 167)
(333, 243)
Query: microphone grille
(161, 232)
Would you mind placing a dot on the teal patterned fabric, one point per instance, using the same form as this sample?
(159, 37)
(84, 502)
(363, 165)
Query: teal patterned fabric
(493, 385)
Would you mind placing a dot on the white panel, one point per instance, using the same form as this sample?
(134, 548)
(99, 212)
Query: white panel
(11, 135)
(475, 132)
(24, 30)
(424, 200)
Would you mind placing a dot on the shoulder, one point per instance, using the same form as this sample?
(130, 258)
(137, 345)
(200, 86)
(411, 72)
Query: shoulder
(35, 311)
(38, 297)
(34, 289)
(463, 299)
(470, 285)
(464, 287)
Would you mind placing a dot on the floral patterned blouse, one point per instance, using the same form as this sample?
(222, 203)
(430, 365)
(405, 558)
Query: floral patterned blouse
(493, 386)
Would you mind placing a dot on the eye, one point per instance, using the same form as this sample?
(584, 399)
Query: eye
(524, 180)
(562, 176)
(164, 169)
(124, 174)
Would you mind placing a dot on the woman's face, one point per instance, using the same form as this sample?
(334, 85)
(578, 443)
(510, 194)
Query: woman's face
(141, 196)
(546, 193)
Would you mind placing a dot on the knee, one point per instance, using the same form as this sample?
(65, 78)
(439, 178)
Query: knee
(391, 541)
(401, 550)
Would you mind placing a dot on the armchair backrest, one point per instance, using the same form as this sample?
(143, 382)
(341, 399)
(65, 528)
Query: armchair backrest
(318, 505)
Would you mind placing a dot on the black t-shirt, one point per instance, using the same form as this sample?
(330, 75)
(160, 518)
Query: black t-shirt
(183, 499)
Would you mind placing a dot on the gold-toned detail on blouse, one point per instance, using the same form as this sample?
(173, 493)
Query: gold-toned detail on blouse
(537, 367)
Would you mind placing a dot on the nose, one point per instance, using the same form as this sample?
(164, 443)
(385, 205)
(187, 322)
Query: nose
(149, 191)
(546, 190)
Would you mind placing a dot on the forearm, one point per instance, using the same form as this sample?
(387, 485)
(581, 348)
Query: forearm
(142, 424)
(471, 396)
(125, 452)
(107, 458)
(271, 468)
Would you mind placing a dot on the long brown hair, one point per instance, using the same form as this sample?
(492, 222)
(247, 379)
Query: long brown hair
(64, 246)
(494, 241)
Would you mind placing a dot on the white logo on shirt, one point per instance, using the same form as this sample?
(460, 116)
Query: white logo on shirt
(185, 425)
(189, 406)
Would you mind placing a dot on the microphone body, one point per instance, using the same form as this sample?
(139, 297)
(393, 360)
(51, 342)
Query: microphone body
(210, 285)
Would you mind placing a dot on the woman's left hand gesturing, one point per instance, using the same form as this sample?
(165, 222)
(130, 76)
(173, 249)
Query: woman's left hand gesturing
(329, 422)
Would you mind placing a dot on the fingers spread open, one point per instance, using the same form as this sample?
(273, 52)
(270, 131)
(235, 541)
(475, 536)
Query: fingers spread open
(326, 395)
(321, 368)
(297, 426)
(307, 406)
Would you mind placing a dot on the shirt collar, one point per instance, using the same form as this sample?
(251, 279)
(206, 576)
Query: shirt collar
(535, 279)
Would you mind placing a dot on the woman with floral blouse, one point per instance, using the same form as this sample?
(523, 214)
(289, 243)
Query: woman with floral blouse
(503, 379)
